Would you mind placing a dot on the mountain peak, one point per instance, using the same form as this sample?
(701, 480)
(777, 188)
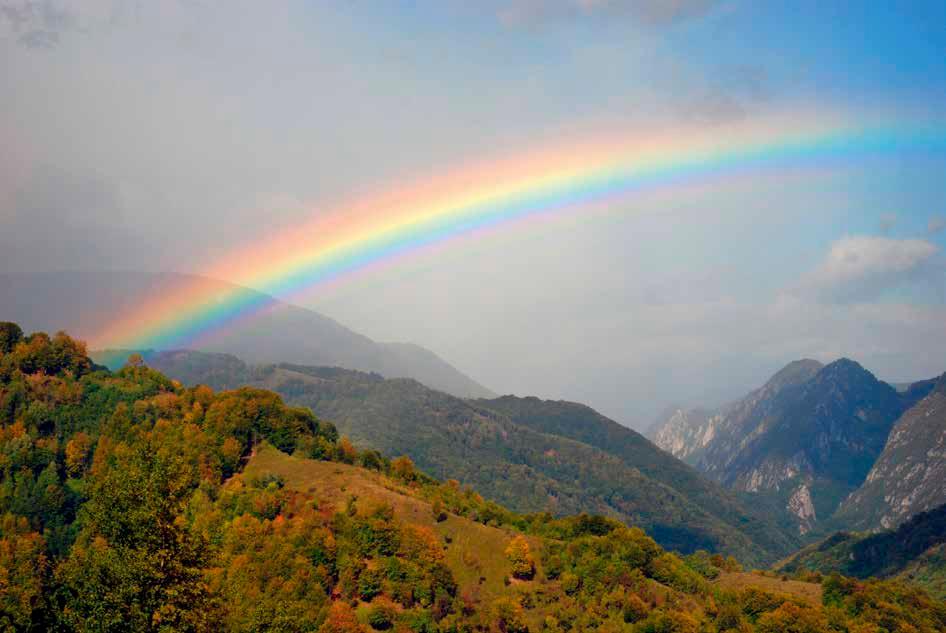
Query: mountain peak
(845, 369)
(796, 372)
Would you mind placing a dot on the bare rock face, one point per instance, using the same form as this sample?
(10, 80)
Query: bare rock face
(686, 432)
(910, 475)
(801, 505)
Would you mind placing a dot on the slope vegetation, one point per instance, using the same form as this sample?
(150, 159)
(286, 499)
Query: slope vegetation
(915, 551)
(523, 464)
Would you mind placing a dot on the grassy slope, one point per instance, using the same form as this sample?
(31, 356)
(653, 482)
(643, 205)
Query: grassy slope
(517, 466)
(808, 591)
(474, 550)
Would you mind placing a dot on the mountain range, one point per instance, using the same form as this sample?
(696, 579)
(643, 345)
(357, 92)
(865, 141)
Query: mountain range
(811, 436)
(82, 302)
(526, 453)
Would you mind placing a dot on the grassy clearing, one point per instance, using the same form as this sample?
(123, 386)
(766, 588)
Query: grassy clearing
(808, 591)
(473, 551)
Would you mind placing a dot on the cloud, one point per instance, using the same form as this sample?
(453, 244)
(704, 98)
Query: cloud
(887, 222)
(61, 219)
(38, 23)
(726, 94)
(861, 268)
(936, 225)
(42, 24)
(646, 12)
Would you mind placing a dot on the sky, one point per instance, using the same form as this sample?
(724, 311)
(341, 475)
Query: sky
(165, 136)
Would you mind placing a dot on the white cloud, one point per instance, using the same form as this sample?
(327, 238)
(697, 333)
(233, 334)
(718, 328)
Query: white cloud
(864, 267)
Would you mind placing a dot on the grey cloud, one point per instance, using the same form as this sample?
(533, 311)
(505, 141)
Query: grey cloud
(67, 219)
(38, 23)
(646, 12)
(861, 268)
(721, 95)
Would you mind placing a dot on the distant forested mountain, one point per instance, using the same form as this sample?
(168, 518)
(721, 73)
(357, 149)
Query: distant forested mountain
(82, 302)
(528, 454)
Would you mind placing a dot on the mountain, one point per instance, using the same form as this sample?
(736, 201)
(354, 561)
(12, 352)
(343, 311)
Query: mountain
(910, 474)
(688, 434)
(583, 424)
(808, 437)
(528, 459)
(129, 502)
(915, 551)
(81, 302)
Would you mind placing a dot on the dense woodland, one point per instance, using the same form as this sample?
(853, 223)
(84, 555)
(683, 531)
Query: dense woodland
(132, 503)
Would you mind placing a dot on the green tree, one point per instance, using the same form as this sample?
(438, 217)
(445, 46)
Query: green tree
(10, 335)
(136, 564)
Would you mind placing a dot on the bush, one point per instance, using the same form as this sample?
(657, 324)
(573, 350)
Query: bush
(382, 614)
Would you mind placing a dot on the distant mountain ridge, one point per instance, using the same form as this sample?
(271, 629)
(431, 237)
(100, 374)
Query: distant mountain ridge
(808, 437)
(910, 474)
(915, 551)
(81, 302)
(523, 452)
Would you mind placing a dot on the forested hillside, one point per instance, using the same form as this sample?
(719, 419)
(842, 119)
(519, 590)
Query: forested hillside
(132, 503)
(543, 461)
(916, 551)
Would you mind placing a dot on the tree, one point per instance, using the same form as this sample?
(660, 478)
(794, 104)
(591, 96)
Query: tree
(520, 555)
(135, 561)
(341, 619)
(347, 453)
(403, 468)
(23, 566)
(77, 454)
(508, 616)
(792, 618)
(10, 335)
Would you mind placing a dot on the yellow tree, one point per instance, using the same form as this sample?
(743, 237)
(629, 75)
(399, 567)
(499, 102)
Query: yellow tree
(520, 555)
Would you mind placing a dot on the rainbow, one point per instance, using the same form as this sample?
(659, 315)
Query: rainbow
(385, 227)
